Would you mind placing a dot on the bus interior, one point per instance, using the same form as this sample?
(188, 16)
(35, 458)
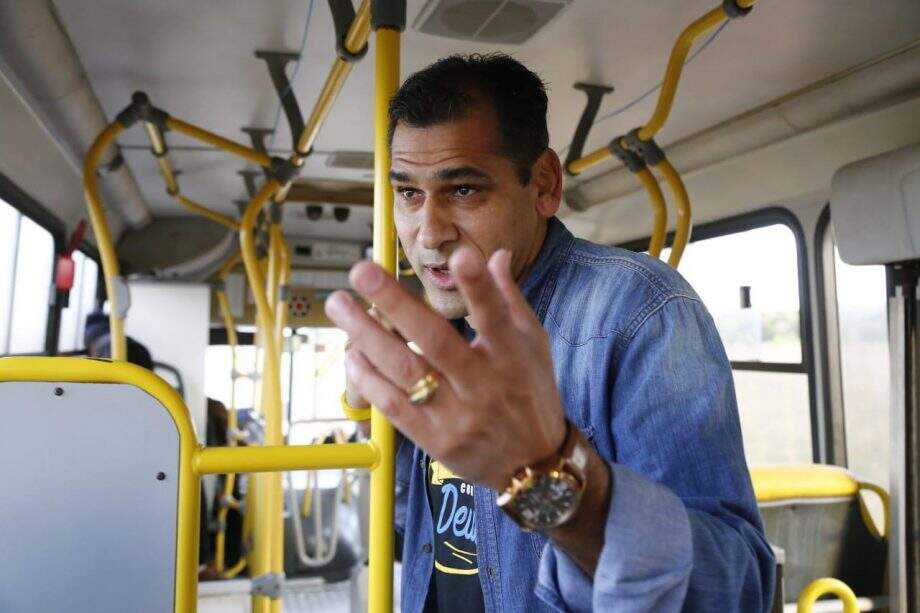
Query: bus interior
(186, 182)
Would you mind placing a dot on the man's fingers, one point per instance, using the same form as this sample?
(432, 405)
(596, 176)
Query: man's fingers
(383, 394)
(487, 307)
(441, 344)
(386, 352)
(500, 268)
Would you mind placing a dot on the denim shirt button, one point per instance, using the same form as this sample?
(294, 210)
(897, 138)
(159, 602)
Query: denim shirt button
(490, 570)
(426, 548)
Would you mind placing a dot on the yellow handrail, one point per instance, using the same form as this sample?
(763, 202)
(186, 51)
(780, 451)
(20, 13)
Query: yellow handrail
(380, 589)
(867, 517)
(672, 74)
(684, 214)
(224, 220)
(675, 67)
(659, 210)
(232, 426)
(820, 587)
(355, 39)
(104, 235)
(215, 140)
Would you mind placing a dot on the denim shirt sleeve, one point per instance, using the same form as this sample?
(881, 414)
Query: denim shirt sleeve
(683, 531)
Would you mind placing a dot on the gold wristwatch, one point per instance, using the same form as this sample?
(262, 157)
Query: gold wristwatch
(546, 495)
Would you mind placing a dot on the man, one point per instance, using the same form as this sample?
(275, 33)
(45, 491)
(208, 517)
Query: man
(582, 388)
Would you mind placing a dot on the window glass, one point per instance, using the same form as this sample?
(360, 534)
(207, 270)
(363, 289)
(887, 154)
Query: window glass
(763, 260)
(9, 234)
(749, 282)
(80, 304)
(865, 367)
(218, 364)
(775, 416)
(31, 288)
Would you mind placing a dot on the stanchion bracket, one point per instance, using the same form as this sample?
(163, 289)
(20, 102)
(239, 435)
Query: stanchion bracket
(595, 94)
(648, 150)
(140, 109)
(630, 159)
(268, 585)
(343, 14)
(277, 61)
(734, 10)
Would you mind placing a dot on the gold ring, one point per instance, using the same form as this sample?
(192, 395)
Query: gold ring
(424, 389)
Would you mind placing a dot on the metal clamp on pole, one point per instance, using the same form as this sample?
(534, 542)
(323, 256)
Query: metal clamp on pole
(737, 8)
(140, 109)
(343, 14)
(268, 585)
(388, 14)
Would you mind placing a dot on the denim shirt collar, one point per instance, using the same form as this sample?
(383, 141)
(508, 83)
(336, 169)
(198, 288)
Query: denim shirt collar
(541, 280)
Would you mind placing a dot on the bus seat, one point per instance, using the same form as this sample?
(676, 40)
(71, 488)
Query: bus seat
(94, 457)
(817, 516)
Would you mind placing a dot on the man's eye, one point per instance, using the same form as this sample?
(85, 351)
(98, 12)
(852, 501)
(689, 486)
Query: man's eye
(407, 192)
(465, 191)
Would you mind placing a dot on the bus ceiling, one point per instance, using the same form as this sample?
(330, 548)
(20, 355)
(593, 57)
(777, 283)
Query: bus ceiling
(811, 73)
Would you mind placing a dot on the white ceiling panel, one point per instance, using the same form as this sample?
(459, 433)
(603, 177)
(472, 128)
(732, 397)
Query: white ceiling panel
(195, 59)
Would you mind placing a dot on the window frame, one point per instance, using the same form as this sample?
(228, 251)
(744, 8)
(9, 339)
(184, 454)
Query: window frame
(29, 207)
(753, 220)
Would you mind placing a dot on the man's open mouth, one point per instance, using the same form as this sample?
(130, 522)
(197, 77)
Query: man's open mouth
(440, 276)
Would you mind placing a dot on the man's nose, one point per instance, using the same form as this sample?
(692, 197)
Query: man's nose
(436, 227)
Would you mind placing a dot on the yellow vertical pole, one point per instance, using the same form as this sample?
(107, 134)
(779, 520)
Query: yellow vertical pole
(380, 591)
(264, 562)
(104, 236)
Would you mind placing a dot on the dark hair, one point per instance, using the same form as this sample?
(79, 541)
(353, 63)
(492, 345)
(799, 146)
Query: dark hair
(453, 86)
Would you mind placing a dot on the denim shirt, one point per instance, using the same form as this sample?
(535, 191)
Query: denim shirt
(642, 372)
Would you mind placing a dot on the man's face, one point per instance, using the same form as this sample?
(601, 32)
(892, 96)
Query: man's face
(454, 188)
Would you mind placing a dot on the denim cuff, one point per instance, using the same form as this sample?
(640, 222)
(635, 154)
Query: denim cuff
(646, 560)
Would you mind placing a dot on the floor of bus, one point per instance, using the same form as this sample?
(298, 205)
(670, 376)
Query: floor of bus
(299, 595)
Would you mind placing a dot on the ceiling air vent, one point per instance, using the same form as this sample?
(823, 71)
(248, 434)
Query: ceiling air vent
(355, 160)
(487, 21)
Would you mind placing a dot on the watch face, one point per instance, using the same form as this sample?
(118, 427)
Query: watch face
(547, 501)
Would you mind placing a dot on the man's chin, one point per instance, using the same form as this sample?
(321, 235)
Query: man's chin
(448, 304)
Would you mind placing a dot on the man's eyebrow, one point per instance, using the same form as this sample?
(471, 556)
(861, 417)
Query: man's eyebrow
(399, 176)
(460, 172)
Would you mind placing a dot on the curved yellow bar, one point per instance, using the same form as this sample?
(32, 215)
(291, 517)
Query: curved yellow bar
(193, 131)
(820, 587)
(104, 235)
(267, 485)
(659, 210)
(224, 220)
(355, 39)
(679, 52)
(684, 214)
(586, 161)
(867, 517)
(380, 589)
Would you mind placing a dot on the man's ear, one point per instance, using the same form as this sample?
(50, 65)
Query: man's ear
(547, 179)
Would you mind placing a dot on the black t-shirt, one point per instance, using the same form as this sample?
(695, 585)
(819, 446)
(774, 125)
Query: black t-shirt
(455, 582)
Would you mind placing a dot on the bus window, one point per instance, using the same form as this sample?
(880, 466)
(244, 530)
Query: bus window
(864, 367)
(26, 264)
(749, 281)
(80, 304)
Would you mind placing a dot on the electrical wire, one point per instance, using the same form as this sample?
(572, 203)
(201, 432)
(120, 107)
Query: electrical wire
(654, 89)
(303, 45)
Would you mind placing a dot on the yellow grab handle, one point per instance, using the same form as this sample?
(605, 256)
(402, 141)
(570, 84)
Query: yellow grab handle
(827, 585)
(684, 214)
(104, 235)
(659, 209)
